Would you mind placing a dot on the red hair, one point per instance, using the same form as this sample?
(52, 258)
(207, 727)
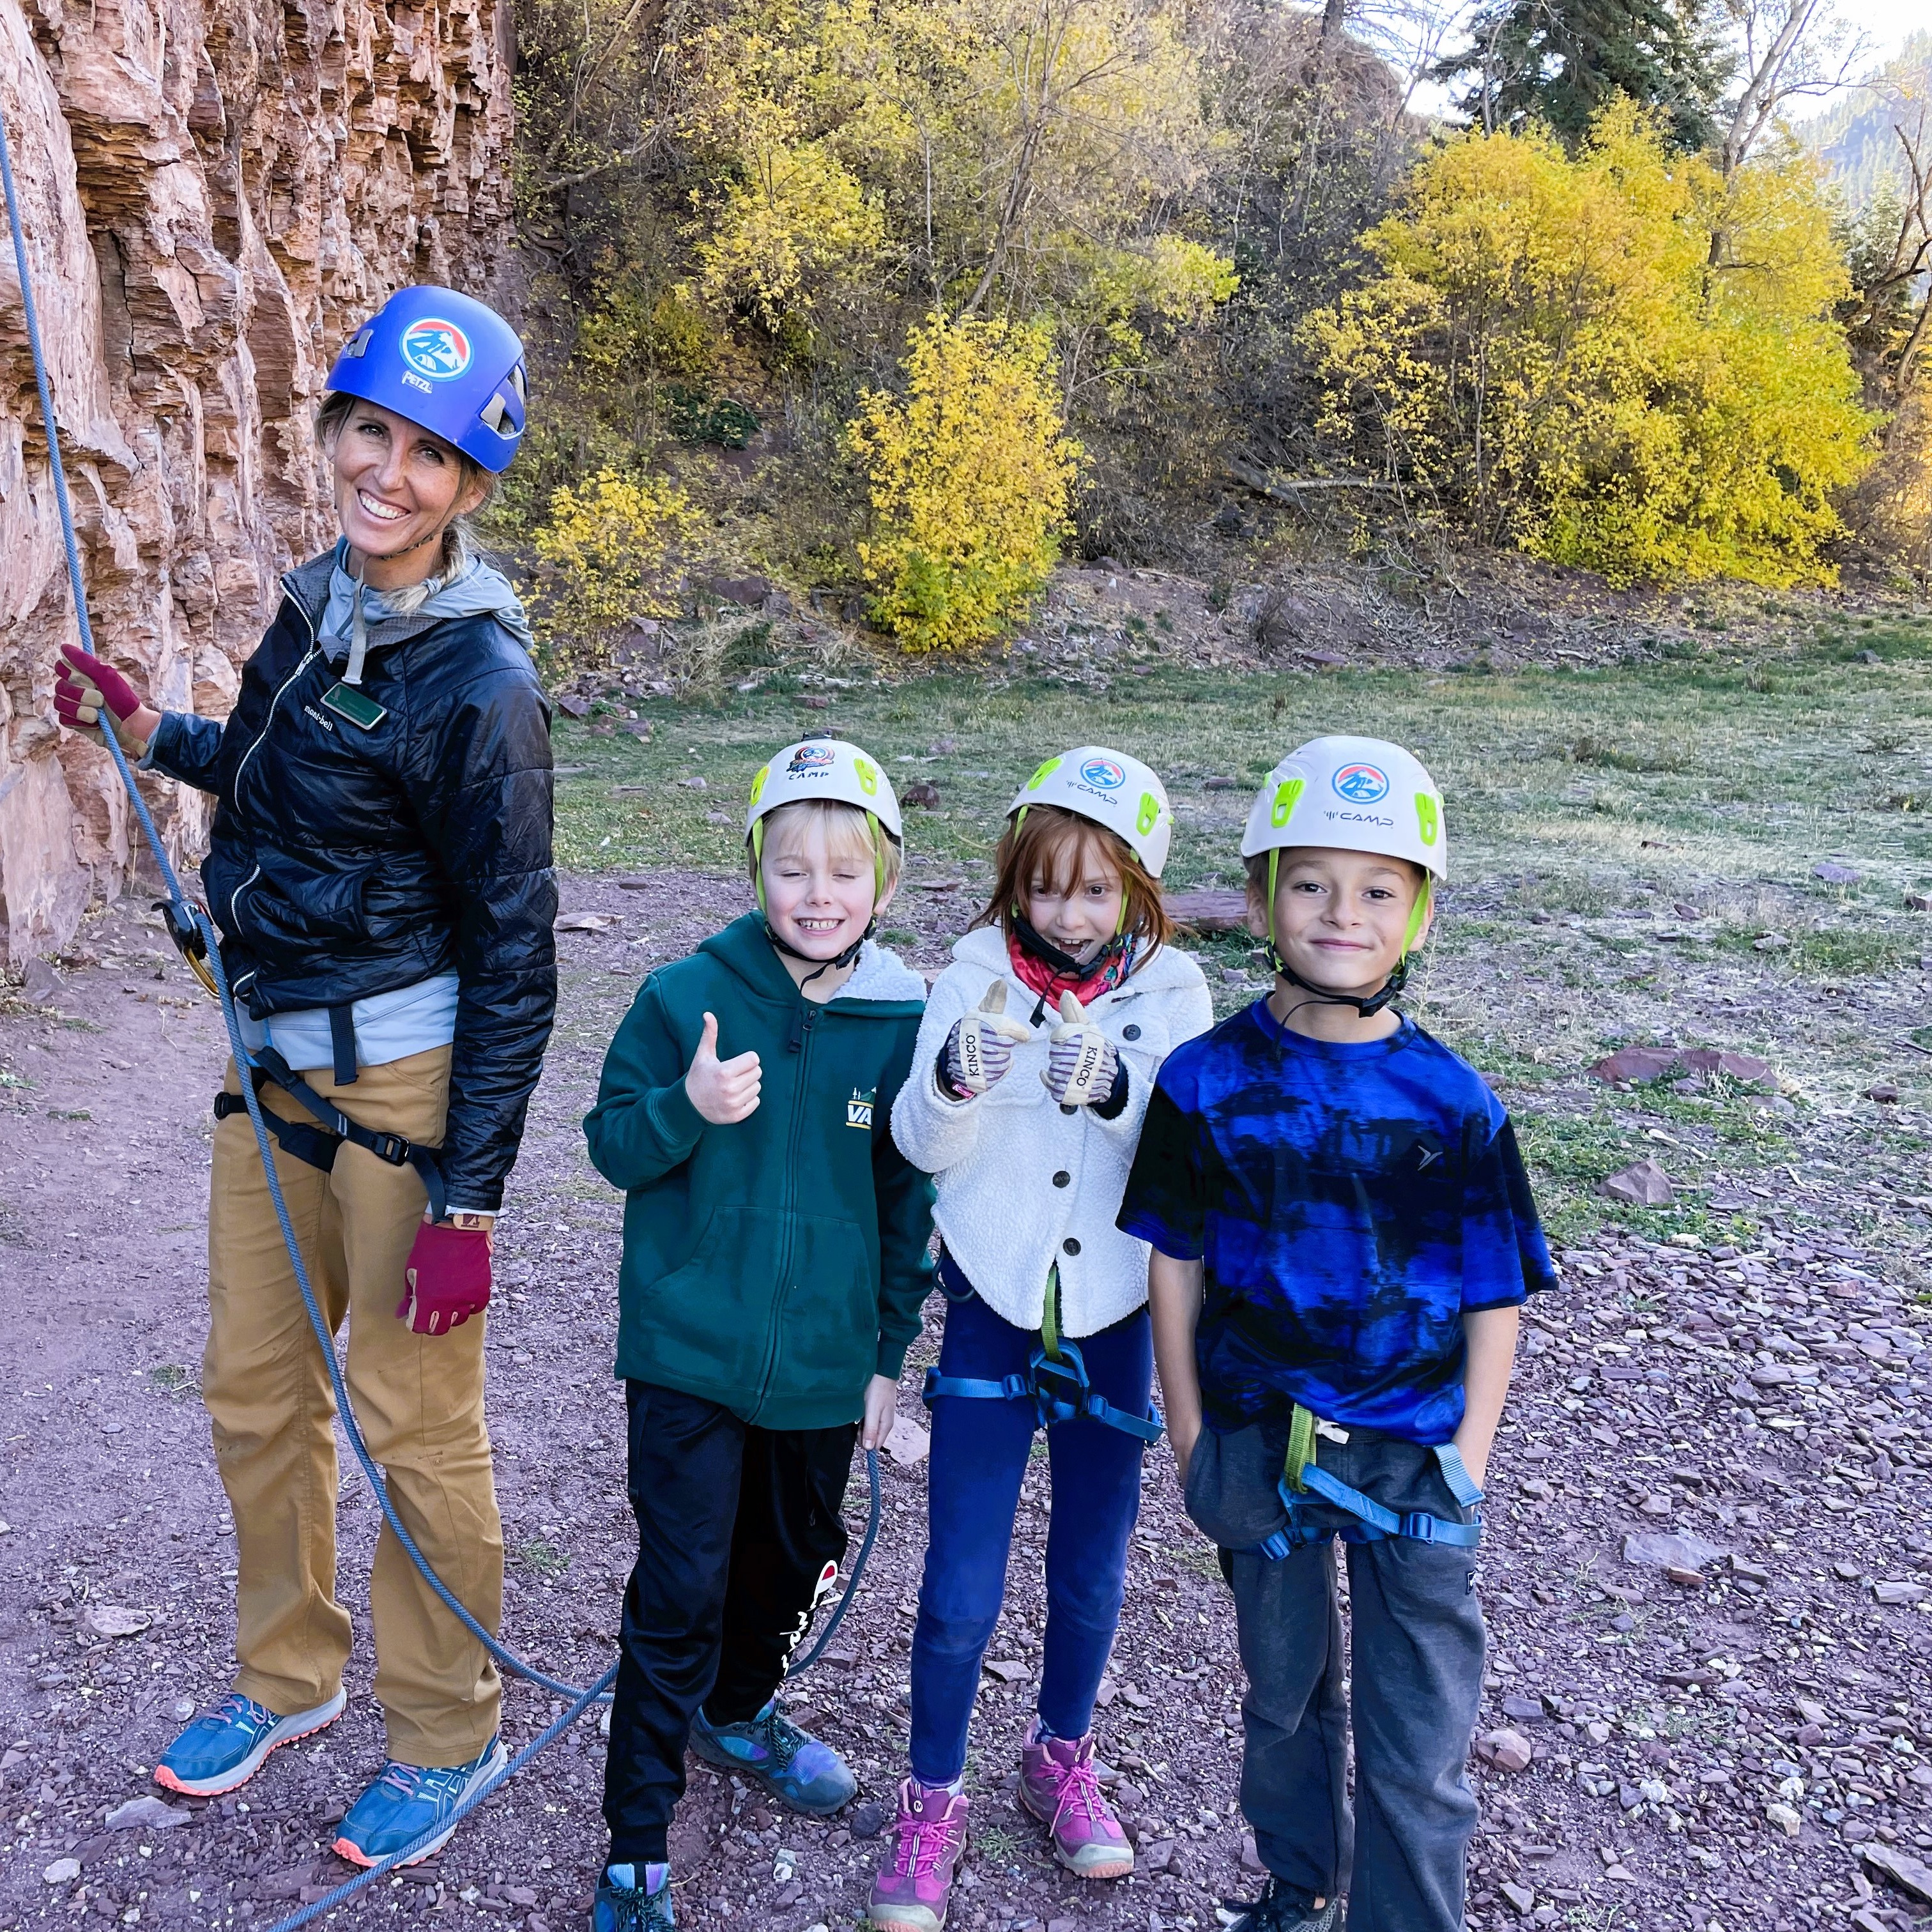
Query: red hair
(1050, 845)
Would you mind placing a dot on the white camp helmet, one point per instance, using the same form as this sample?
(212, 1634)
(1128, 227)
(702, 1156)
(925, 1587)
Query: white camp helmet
(1112, 789)
(1354, 795)
(824, 768)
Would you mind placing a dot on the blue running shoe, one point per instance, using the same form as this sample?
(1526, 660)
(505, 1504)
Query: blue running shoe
(406, 1801)
(224, 1747)
(623, 1905)
(797, 1768)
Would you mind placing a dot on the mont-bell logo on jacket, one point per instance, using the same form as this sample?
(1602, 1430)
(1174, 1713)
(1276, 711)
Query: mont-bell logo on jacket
(858, 1108)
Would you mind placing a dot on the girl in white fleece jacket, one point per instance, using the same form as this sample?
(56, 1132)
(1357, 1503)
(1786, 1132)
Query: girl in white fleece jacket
(1034, 1064)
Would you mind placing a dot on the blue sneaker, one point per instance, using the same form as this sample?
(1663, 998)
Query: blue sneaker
(406, 1801)
(797, 1768)
(622, 1905)
(224, 1747)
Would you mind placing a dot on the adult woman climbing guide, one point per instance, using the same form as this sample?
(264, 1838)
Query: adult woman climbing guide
(379, 869)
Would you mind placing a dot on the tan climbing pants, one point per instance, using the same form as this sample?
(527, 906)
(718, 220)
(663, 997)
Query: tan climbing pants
(419, 1399)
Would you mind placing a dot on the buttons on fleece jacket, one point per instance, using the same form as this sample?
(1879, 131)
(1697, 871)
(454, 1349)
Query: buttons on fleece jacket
(1003, 1210)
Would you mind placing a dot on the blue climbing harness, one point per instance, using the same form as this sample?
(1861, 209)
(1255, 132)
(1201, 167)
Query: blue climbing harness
(1055, 1382)
(1300, 1478)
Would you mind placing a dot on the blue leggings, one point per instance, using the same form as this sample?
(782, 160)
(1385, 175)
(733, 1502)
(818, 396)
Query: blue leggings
(980, 1452)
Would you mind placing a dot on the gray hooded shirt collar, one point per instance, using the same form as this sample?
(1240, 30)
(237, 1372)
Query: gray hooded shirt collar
(327, 593)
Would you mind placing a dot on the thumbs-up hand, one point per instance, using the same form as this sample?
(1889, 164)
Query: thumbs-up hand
(723, 1090)
(980, 1048)
(1082, 1064)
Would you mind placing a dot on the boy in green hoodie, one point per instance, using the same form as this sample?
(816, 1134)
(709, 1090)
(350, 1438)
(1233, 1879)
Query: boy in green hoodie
(775, 1262)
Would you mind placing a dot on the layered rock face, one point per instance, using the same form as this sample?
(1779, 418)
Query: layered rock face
(215, 194)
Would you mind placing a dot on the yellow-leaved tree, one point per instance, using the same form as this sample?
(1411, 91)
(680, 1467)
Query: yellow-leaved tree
(971, 475)
(605, 543)
(1617, 359)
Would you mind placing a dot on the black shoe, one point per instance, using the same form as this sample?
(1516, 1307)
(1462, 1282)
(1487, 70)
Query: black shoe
(1279, 1909)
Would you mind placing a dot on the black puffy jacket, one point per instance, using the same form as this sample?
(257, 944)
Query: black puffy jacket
(343, 863)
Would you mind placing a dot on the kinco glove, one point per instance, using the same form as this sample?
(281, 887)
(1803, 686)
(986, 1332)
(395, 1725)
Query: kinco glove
(86, 687)
(1081, 1064)
(980, 1048)
(448, 1275)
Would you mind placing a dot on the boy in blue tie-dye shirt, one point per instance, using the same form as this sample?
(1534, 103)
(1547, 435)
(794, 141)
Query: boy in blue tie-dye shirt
(1343, 1237)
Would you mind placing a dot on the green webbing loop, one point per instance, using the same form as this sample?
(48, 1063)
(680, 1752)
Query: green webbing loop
(1417, 914)
(1301, 1447)
(1049, 1317)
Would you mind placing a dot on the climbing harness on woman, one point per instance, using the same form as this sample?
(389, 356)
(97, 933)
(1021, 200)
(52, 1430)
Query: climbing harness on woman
(429, 397)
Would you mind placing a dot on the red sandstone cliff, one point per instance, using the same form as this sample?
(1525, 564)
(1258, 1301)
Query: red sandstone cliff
(215, 192)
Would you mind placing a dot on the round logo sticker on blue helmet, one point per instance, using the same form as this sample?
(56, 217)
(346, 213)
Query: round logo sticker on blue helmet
(436, 349)
(1103, 775)
(1361, 785)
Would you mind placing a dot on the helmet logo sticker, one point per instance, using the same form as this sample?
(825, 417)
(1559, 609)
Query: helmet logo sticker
(1287, 795)
(1150, 813)
(1428, 819)
(436, 349)
(1361, 785)
(1040, 777)
(812, 758)
(867, 773)
(1103, 774)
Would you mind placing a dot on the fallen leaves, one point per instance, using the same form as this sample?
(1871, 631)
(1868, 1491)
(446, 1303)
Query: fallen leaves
(906, 1443)
(112, 1620)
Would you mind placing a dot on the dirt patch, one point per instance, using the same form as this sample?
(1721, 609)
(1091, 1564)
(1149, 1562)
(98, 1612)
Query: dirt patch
(1712, 1749)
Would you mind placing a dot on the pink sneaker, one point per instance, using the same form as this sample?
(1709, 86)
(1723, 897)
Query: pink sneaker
(1058, 1785)
(911, 1893)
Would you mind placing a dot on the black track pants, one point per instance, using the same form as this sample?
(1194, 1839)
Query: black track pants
(736, 1527)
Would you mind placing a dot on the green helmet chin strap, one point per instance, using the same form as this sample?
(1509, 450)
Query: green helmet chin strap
(1418, 917)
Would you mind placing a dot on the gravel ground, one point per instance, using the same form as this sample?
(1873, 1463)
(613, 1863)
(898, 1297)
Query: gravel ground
(1708, 1573)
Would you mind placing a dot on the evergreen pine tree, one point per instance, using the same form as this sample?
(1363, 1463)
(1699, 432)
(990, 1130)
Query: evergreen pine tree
(1562, 61)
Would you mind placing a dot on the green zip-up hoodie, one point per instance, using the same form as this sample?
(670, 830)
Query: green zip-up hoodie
(773, 1266)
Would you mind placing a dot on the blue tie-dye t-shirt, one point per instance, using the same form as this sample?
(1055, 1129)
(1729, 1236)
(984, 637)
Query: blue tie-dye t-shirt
(1350, 1204)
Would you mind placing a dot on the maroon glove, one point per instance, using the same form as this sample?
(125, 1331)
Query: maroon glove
(448, 1275)
(86, 687)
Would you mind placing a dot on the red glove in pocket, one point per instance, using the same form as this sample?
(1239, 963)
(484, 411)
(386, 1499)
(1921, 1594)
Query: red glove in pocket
(448, 1275)
(86, 686)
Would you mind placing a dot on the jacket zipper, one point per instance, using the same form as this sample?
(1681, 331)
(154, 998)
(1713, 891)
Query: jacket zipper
(787, 1194)
(268, 719)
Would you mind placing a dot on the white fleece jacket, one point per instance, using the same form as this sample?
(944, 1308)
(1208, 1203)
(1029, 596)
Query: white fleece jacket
(1022, 1183)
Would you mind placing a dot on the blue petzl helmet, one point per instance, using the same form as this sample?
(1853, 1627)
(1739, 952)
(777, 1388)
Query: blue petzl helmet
(446, 362)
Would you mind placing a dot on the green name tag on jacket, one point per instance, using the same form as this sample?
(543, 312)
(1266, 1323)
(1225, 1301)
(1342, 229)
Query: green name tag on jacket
(361, 710)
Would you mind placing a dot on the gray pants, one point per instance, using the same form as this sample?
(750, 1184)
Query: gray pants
(1416, 1672)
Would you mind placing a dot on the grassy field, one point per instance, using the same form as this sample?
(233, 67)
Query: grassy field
(1678, 776)
(1634, 856)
